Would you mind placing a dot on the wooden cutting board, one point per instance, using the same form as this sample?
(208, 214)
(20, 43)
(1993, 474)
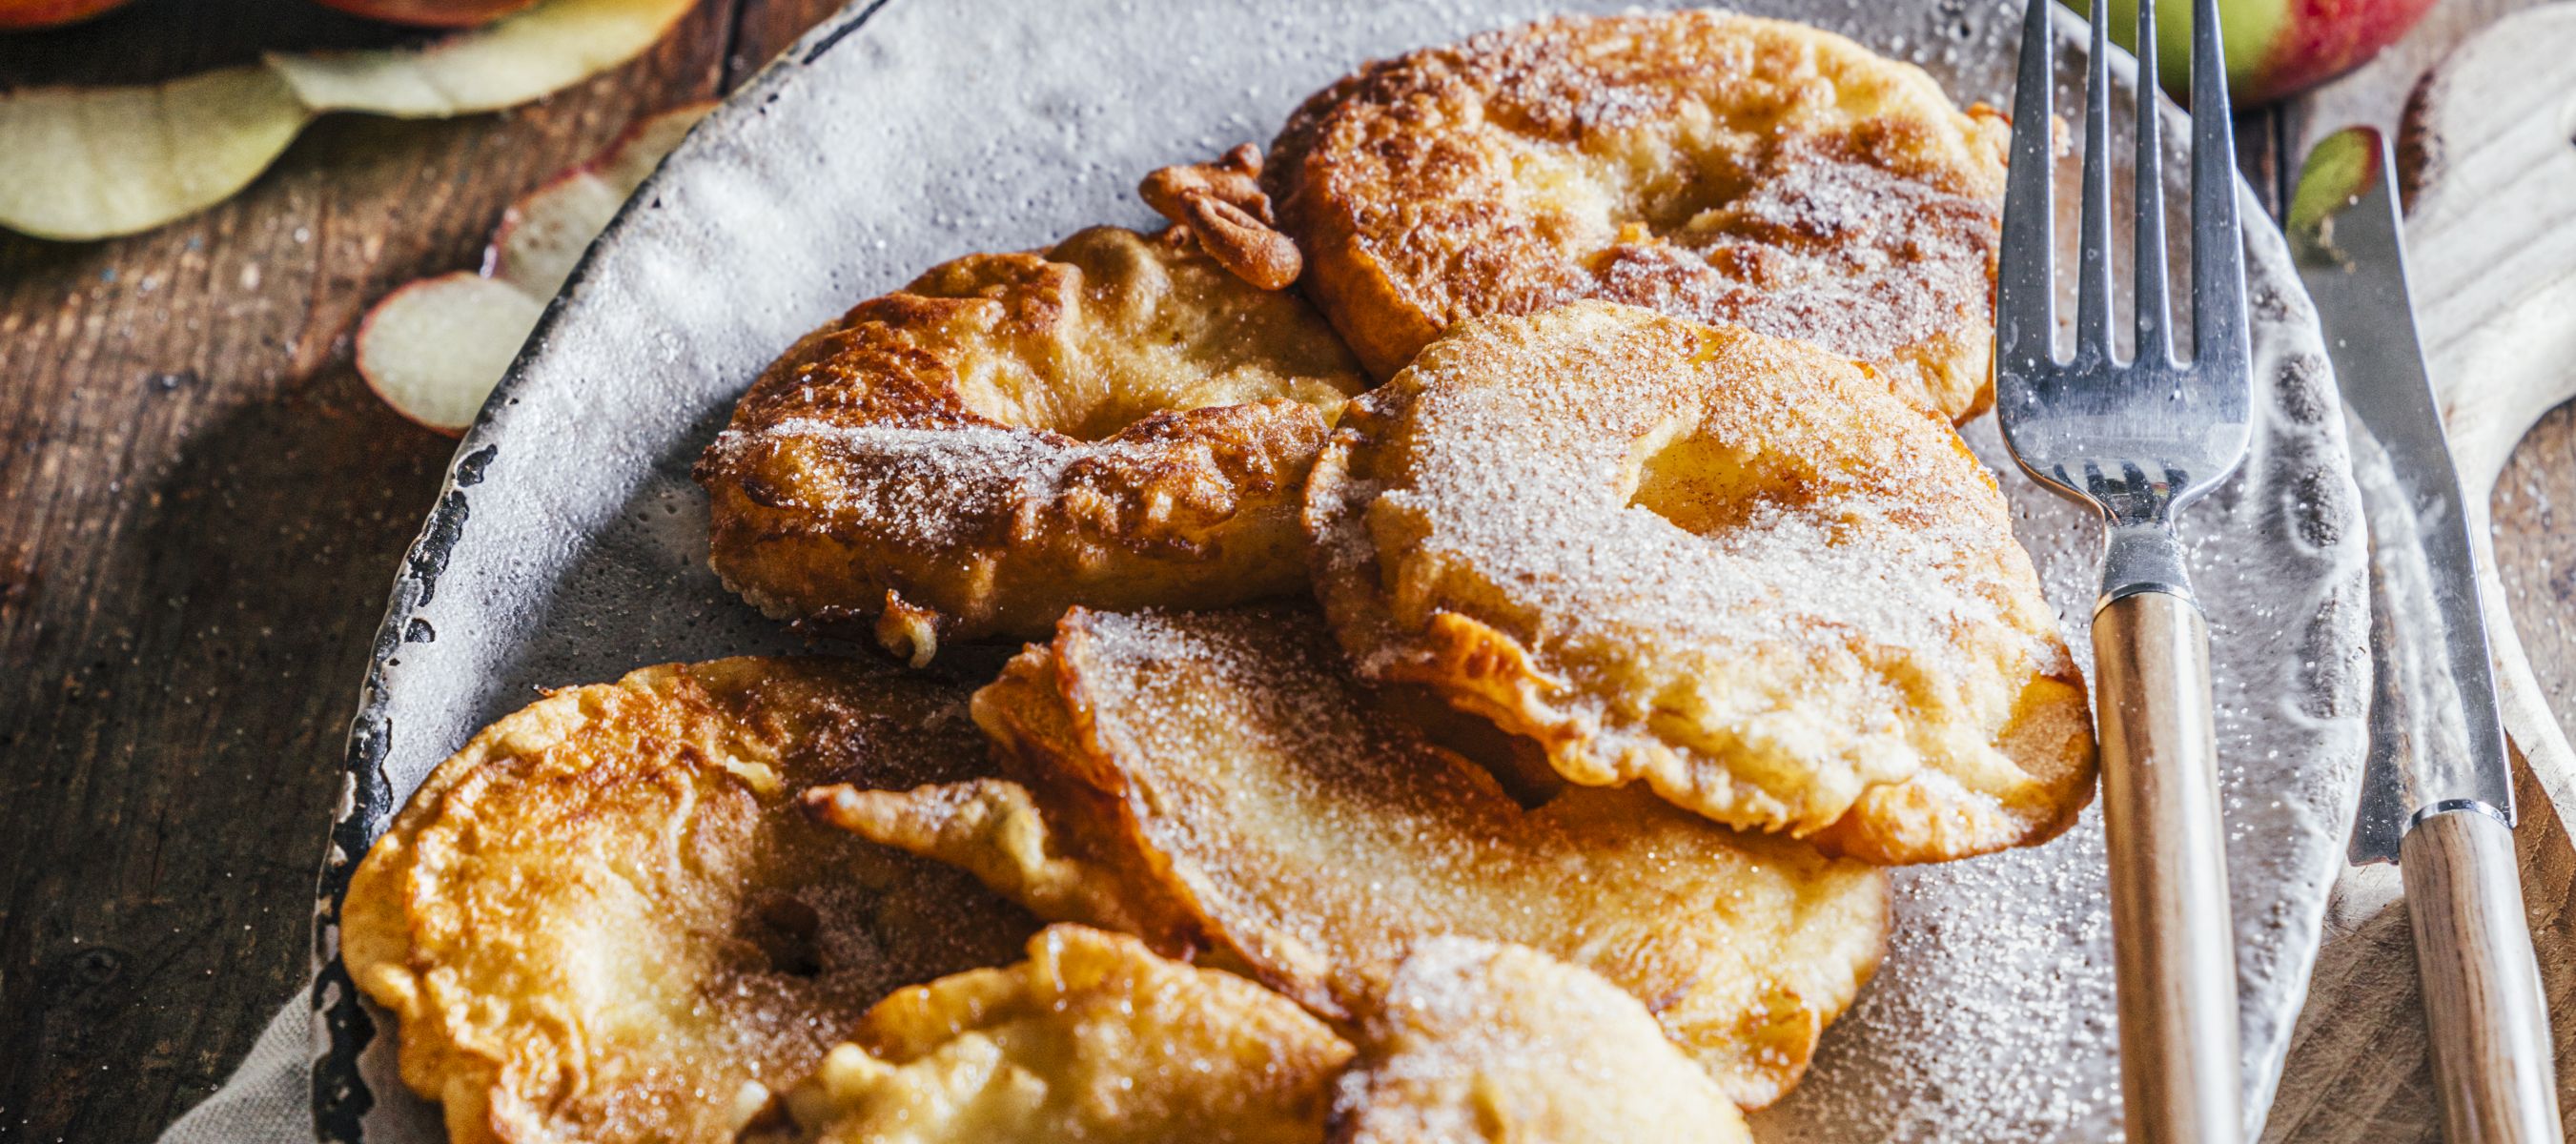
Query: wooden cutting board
(2490, 167)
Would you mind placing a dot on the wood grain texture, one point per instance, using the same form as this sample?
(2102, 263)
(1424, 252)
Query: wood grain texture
(2168, 851)
(2491, 229)
(2259, 158)
(201, 507)
(2358, 1068)
(2483, 1007)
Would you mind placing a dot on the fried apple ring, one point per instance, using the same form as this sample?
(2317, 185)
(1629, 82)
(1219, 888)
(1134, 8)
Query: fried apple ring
(1118, 422)
(605, 920)
(1218, 781)
(1709, 165)
(1731, 566)
(1093, 1038)
(1473, 1041)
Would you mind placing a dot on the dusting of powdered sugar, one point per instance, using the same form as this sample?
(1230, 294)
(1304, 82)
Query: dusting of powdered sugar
(924, 489)
(858, 161)
(1832, 250)
(1828, 195)
(1821, 583)
(1993, 1017)
(2012, 947)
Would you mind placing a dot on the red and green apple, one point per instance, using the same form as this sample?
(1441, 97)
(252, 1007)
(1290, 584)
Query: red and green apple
(17, 14)
(2275, 48)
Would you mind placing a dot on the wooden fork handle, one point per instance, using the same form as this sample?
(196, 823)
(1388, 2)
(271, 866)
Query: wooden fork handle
(2174, 943)
(2483, 1005)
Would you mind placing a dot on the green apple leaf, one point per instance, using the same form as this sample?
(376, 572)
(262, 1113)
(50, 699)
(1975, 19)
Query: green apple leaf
(2342, 168)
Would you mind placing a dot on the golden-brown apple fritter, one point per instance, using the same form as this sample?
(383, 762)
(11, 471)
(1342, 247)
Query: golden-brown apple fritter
(1218, 780)
(606, 920)
(1705, 164)
(1093, 1038)
(1118, 422)
(1474, 1042)
(1733, 567)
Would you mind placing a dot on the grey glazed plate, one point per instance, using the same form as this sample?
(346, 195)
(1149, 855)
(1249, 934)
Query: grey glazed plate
(569, 544)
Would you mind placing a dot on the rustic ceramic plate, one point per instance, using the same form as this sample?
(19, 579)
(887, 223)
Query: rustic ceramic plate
(569, 544)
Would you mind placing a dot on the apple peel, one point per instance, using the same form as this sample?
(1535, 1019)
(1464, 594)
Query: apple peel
(518, 58)
(430, 13)
(433, 349)
(27, 15)
(96, 162)
(544, 233)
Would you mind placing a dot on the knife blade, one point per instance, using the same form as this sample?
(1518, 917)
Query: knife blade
(2436, 741)
(2437, 797)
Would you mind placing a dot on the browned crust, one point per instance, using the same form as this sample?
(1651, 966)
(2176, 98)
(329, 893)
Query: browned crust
(1040, 720)
(1222, 204)
(672, 785)
(2050, 737)
(1480, 639)
(1487, 673)
(1121, 1046)
(870, 462)
(1474, 1040)
(1149, 867)
(1868, 227)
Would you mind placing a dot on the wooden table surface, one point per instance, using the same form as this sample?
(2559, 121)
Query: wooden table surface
(201, 509)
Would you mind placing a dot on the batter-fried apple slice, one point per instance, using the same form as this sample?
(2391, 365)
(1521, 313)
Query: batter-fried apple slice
(605, 919)
(1093, 1038)
(1731, 569)
(1218, 780)
(1472, 1041)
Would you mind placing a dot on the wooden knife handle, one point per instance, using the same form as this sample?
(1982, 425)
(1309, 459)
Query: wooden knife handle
(2483, 1005)
(2170, 919)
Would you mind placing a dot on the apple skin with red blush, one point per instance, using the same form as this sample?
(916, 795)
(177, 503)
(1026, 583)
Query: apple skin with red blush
(430, 13)
(20, 15)
(27, 15)
(2275, 48)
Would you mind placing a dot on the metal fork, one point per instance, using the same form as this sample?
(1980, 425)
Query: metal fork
(2138, 440)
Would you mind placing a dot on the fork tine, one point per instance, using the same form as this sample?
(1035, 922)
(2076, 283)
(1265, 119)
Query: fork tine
(2093, 255)
(2217, 256)
(2147, 235)
(2025, 298)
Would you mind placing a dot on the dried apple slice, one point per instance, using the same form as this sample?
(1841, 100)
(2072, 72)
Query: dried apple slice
(88, 162)
(95, 162)
(434, 349)
(543, 234)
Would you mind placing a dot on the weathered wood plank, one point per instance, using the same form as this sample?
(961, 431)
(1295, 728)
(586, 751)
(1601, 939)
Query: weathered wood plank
(204, 508)
(2358, 1067)
(2258, 156)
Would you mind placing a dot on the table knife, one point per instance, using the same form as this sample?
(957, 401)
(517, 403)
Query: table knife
(2437, 797)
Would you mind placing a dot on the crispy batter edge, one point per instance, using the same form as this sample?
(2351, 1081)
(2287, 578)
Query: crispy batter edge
(1486, 672)
(1367, 300)
(1197, 503)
